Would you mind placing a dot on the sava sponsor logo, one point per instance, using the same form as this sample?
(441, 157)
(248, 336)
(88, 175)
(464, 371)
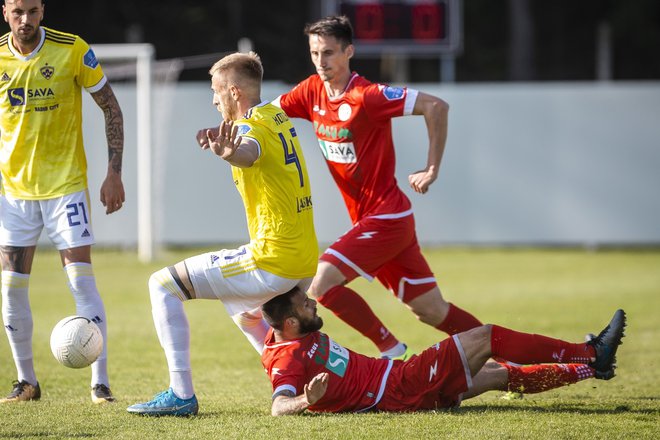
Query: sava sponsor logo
(338, 359)
(339, 152)
(18, 96)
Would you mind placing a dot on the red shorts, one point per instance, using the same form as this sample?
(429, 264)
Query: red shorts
(386, 249)
(436, 378)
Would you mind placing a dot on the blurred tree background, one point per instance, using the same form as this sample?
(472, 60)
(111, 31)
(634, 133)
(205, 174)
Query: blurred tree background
(503, 40)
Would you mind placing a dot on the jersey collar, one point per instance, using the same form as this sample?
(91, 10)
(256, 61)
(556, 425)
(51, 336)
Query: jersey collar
(248, 113)
(348, 85)
(32, 54)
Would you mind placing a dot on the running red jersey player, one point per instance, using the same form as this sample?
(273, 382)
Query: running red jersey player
(352, 120)
(355, 136)
(308, 370)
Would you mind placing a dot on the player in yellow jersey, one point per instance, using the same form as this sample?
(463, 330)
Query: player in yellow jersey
(260, 143)
(44, 176)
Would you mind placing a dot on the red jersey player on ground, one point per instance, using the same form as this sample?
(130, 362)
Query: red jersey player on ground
(308, 370)
(352, 120)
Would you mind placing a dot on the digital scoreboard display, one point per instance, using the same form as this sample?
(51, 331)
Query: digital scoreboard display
(412, 26)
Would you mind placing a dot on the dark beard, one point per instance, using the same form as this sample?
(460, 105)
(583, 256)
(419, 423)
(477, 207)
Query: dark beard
(28, 39)
(310, 325)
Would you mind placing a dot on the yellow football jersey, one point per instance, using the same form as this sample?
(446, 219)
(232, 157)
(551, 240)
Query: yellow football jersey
(41, 146)
(277, 195)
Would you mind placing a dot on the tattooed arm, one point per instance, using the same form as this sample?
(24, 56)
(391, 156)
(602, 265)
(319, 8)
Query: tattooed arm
(112, 189)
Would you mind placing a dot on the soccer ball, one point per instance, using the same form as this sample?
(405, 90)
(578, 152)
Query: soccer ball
(76, 342)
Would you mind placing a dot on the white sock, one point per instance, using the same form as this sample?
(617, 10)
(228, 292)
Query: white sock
(181, 384)
(173, 330)
(17, 318)
(396, 351)
(90, 305)
(254, 327)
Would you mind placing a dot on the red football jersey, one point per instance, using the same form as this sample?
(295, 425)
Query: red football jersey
(354, 131)
(356, 382)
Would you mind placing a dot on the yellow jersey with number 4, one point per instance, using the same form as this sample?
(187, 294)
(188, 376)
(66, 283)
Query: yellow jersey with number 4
(41, 145)
(277, 195)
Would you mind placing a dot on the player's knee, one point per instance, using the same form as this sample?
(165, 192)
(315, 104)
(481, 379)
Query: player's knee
(431, 313)
(314, 292)
(246, 319)
(154, 279)
(482, 335)
(160, 284)
(485, 330)
(327, 277)
(479, 335)
(321, 286)
(427, 316)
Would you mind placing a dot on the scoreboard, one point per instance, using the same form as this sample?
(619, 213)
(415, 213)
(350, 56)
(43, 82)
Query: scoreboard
(402, 26)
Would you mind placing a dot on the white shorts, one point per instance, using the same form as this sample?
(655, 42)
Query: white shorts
(231, 275)
(66, 220)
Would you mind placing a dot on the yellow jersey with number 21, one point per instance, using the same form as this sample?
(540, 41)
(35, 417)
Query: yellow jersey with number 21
(41, 145)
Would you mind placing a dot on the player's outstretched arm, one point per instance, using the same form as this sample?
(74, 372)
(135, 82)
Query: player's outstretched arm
(112, 189)
(203, 136)
(435, 112)
(287, 404)
(225, 142)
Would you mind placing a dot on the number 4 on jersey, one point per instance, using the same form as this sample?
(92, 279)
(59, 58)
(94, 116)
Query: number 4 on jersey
(291, 156)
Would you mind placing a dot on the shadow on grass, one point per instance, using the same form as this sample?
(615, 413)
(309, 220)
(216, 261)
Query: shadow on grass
(468, 410)
(559, 408)
(28, 434)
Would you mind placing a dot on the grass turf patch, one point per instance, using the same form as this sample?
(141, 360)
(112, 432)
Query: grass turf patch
(563, 293)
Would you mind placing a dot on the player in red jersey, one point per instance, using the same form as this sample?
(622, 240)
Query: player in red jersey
(352, 119)
(308, 370)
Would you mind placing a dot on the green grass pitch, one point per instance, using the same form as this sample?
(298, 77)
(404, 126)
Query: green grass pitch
(564, 293)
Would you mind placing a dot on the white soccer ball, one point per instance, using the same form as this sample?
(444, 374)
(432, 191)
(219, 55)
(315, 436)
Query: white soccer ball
(76, 342)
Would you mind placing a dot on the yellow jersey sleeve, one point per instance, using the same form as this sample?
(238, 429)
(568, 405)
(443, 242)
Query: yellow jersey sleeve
(277, 196)
(42, 154)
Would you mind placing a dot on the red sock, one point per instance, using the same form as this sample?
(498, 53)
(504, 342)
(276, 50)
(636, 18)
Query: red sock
(354, 311)
(526, 348)
(537, 378)
(457, 320)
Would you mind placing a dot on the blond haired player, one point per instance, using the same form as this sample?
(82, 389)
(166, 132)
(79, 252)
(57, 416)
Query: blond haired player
(259, 142)
(44, 176)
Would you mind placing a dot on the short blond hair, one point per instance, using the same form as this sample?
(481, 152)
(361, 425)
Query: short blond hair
(245, 69)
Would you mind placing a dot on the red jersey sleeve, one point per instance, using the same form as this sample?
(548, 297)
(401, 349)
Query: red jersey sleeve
(295, 103)
(283, 365)
(287, 374)
(382, 102)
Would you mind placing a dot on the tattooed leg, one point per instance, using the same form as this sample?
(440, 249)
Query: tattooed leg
(17, 259)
